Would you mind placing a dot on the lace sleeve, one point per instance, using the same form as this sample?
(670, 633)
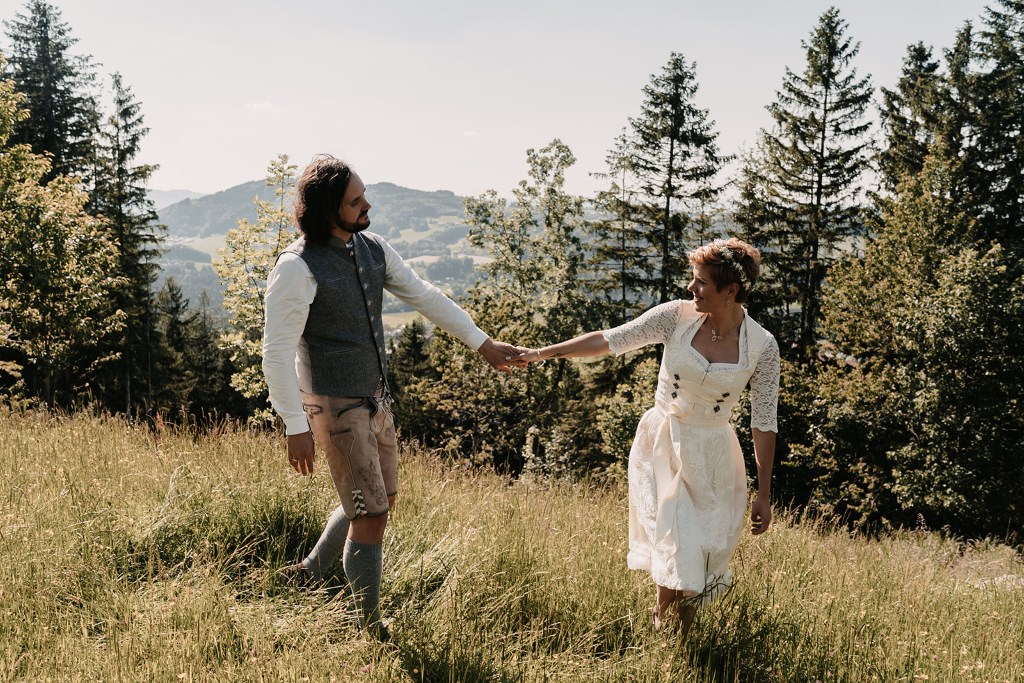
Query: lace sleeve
(764, 389)
(653, 327)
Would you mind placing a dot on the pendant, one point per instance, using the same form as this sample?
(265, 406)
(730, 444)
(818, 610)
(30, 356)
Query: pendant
(715, 336)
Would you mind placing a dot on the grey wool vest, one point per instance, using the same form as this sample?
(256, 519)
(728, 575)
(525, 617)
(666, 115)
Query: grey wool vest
(344, 332)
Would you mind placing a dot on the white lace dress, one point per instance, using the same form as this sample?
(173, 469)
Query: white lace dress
(687, 484)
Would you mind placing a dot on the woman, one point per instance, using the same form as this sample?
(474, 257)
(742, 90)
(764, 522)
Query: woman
(687, 484)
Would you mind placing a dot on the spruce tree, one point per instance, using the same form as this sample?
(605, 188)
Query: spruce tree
(212, 396)
(175, 378)
(933, 112)
(119, 196)
(909, 117)
(58, 88)
(1000, 133)
(801, 189)
(674, 159)
(410, 374)
(913, 431)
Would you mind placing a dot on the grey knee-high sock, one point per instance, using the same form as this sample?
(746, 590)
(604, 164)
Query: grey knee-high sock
(363, 566)
(329, 547)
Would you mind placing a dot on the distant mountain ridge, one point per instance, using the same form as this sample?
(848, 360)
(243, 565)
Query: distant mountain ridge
(395, 209)
(417, 223)
(164, 198)
(214, 214)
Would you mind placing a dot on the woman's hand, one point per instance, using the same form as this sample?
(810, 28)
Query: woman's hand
(760, 515)
(528, 356)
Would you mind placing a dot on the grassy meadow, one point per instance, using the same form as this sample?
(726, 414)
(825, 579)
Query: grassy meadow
(129, 555)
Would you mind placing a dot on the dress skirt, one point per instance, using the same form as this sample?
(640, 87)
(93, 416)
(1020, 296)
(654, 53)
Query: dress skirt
(687, 501)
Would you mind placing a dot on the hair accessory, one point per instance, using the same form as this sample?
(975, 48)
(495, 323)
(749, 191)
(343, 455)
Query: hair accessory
(733, 263)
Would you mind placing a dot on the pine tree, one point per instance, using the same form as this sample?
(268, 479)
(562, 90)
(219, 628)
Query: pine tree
(801, 188)
(674, 158)
(119, 195)
(58, 85)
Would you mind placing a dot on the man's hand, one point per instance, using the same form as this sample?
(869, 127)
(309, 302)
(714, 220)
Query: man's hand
(500, 355)
(300, 452)
(760, 515)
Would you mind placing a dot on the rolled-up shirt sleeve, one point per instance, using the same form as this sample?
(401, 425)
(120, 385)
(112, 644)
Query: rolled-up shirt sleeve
(402, 281)
(290, 290)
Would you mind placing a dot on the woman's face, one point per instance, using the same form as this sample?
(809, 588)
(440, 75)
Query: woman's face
(706, 296)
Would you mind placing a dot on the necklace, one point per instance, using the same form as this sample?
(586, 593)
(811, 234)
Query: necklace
(716, 335)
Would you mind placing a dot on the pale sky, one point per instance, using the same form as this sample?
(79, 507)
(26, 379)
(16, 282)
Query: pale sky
(449, 94)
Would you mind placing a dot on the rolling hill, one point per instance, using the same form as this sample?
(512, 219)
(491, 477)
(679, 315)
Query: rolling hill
(416, 222)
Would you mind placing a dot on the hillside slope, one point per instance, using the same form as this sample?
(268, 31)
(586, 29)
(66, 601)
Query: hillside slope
(142, 555)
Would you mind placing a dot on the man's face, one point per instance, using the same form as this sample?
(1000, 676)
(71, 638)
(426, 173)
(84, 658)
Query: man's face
(353, 214)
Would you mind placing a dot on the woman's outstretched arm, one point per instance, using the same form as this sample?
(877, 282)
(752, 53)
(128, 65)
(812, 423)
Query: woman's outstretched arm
(589, 344)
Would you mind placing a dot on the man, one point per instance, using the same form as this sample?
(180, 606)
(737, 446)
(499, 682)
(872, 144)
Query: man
(326, 366)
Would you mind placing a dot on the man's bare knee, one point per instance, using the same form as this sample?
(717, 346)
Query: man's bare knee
(366, 529)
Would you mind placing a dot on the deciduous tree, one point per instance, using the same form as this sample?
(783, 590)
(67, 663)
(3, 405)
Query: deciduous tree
(57, 274)
(250, 251)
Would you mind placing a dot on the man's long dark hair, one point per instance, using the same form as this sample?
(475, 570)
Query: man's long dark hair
(318, 195)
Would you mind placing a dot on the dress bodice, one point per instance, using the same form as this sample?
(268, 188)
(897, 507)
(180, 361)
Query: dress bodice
(688, 385)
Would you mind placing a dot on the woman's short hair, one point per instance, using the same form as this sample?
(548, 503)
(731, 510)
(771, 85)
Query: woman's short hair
(730, 260)
(319, 192)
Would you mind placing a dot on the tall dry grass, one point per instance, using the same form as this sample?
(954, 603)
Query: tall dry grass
(132, 556)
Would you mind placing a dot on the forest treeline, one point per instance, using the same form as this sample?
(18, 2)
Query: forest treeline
(890, 224)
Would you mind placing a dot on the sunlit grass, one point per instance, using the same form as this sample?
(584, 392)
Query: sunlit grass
(129, 555)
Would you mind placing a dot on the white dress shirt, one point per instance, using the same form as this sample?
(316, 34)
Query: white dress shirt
(290, 290)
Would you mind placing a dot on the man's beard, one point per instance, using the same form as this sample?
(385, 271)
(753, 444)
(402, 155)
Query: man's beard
(353, 228)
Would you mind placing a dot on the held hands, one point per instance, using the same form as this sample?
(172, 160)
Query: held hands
(760, 515)
(300, 452)
(501, 356)
(528, 356)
